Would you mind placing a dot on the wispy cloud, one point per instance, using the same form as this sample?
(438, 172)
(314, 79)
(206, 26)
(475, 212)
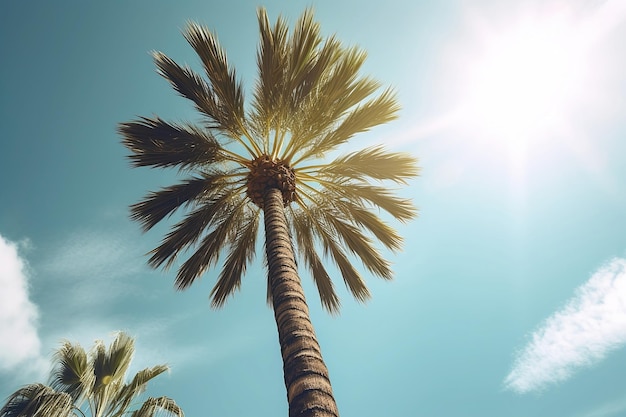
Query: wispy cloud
(99, 270)
(592, 324)
(20, 345)
(610, 409)
(90, 267)
(89, 253)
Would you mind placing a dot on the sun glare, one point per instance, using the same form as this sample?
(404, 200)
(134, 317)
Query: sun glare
(520, 82)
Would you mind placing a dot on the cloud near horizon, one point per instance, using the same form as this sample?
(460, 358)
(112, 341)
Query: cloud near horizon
(20, 345)
(590, 326)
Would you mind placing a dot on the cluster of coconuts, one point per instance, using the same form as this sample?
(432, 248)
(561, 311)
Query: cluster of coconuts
(268, 173)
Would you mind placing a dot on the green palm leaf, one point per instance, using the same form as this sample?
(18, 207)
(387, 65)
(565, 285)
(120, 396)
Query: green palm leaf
(374, 163)
(189, 230)
(38, 400)
(240, 255)
(158, 205)
(227, 91)
(152, 406)
(156, 143)
(229, 214)
(302, 230)
(73, 373)
(128, 392)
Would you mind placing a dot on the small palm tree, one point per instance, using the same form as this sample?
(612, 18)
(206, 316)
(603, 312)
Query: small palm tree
(263, 160)
(97, 378)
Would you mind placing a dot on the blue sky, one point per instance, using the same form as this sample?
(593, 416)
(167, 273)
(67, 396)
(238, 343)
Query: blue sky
(510, 296)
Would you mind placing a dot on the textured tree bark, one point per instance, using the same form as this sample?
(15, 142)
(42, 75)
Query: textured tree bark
(309, 392)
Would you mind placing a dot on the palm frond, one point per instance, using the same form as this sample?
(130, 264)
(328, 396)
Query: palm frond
(363, 217)
(156, 143)
(112, 365)
(207, 253)
(400, 208)
(305, 113)
(241, 253)
(157, 205)
(332, 247)
(153, 406)
(73, 372)
(377, 111)
(350, 275)
(373, 162)
(303, 55)
(337, 91)
(227, 91)
(190, 85)
(360, 245)
(121, 402)
(272, 62)
(190, 229)
(302, 230)
(38, 400)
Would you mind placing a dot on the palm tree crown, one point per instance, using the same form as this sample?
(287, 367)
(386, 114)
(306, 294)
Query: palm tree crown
(308, 100)
(96, 378)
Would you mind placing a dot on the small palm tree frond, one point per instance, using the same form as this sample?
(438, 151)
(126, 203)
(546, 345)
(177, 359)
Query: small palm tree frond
(110, 365)
(97, 377)
(73, 373)
(38, 400)
(373, 163)
(157, 205)
(154, 407)
(122, 401)
(241, 253)
(156, 143)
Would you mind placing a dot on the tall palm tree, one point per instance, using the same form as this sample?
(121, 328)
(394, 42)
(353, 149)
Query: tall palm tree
(96, 378)
(265, 159)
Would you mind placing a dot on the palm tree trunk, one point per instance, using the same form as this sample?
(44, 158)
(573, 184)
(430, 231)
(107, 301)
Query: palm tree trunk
(306, 377)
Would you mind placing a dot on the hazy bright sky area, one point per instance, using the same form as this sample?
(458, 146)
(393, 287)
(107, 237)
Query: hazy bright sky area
(510, 296)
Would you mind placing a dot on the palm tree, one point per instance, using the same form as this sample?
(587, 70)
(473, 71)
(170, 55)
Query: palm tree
(265, 158)
(97, 378)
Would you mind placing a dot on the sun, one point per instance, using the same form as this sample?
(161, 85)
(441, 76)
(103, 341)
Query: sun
(520, 81)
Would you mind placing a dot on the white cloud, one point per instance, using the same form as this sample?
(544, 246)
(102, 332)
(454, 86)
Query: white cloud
(592, 324)
(20, 345)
